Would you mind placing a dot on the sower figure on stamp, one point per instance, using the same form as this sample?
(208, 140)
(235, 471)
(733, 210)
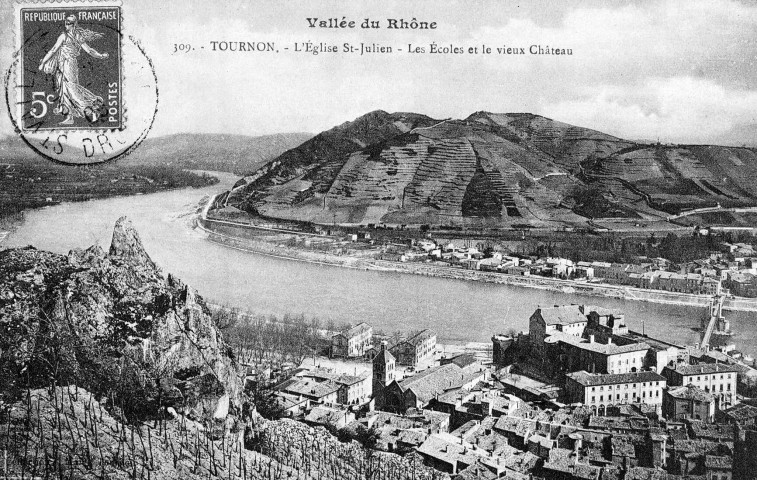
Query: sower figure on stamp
(73, 99)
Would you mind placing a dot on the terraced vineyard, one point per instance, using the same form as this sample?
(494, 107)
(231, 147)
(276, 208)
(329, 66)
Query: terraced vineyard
(676, 178)
(490, 170)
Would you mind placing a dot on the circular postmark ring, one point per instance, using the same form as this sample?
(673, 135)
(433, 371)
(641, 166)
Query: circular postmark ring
(82, 141)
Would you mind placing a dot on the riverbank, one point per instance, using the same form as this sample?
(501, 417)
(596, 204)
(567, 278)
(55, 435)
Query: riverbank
(37, 187)
(231, 235)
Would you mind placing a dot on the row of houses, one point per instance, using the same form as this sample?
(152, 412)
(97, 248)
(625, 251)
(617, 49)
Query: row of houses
(684, 392)
(324, 386)
(735, 266)
(629, 406)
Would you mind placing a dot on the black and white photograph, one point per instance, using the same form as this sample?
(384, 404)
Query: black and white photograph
(387, 240)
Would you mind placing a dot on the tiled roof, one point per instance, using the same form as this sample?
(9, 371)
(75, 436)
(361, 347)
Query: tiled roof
(619, 423)
(358, 329)
(603, 348)
(700, 445)
(562, 314)
(713, 431)
(324, 415)
(287, 400)
(308, 388)
(718, 462)
(690, 392)
(741, 412)
(411, 437)
(477, 471)
(340, 378)
(420, 337)
(384, 356)
(612, 348)
(521, 462)
(649, 473)
(592, 379)
(705, 368)
(462, 360)
(586, 472)
(436, 380)
(448, 451)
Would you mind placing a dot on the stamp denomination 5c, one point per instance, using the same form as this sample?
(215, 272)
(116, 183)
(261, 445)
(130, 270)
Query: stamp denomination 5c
(71, 67)
(79, 88)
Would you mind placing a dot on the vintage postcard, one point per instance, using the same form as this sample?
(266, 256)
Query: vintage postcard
(388, 240)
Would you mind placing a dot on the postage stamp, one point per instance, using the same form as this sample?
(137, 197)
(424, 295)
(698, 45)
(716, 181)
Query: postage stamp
(71, 65)
(79, 89)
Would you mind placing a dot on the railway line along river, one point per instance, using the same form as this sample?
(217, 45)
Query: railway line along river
(459, 311)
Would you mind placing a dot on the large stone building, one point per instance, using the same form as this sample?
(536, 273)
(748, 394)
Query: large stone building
(567, 353)
(352, 342)
(609, 326)
(325, 386)
(595, 339)
(420, 389)
(319, 392)
(715, 378)
(603, 390)
(418, 348)
(353, 389)
(567, 319)
(688, 403)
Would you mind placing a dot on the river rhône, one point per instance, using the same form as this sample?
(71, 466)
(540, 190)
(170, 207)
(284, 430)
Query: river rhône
(458, 311)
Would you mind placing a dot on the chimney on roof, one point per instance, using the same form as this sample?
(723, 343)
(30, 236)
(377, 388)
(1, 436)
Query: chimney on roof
(591, 338)
(609, 341)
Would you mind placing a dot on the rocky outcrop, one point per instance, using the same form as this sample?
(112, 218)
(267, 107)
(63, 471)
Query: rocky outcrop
(115, 325)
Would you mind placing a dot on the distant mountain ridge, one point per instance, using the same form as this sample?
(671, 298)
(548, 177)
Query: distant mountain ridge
(238, 154)
(489, 169)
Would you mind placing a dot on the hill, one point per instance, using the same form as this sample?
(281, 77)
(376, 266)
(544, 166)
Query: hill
(238, 154)
(29, 181)
(489, 170)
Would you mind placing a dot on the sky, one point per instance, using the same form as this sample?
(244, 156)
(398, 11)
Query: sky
(677, 71)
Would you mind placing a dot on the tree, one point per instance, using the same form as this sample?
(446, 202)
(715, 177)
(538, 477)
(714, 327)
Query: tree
(265, 400)
(225, 318)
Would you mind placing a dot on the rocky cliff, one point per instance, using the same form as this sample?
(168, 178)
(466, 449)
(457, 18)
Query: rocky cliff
(113, 324)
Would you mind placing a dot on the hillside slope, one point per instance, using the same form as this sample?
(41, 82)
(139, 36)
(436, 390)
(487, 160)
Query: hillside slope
(489, 170)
